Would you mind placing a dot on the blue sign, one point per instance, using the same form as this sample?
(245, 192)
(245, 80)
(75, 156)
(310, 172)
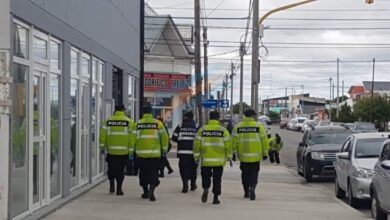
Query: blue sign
(210, 103)
(225, 103)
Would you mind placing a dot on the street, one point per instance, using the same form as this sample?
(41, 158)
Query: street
(288, 156)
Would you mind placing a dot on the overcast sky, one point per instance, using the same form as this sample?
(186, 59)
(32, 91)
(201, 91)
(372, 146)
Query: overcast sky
(314, 76)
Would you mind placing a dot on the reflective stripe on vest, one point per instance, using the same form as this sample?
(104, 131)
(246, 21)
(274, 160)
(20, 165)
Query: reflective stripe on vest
(101, 145)
(250, 155)
(125, 132)
(208, 144)
(246, 140)
(214, 160)
(148, 151)
(118, 147)
(185, 152)
(147, 136)
(186, 138)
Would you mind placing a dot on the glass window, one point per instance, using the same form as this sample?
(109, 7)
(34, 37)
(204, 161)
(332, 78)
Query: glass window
(369, 148)
(74, 62)
(73, 140)
(328, 137)
(55, 55)
(94, 126)
(101, 113)
(95, 70)
(85, 66)
(40, 48)
(100, 73)
(36, 107)
(55, 152)
(19, 169)
(20, 41)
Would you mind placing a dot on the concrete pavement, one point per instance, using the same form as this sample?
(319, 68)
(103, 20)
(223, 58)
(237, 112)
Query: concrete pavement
(281, 195)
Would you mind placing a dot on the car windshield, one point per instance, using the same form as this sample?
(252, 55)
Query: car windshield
(369, 148)
(328, 137)
(301, 120)
(366, 126)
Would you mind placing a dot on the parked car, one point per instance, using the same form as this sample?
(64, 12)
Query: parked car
(317, 151)
(355, 166)
(292, 124)
(363, 127)
(265, 119)
(300, 122)
(324, 123)
(308, 125)
(380, 186)
(283, 124)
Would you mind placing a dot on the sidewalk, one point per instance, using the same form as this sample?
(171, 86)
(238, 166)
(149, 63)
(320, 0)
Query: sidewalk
(281, 195)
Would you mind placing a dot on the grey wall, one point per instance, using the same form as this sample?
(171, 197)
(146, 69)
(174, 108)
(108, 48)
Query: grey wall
(108, 29)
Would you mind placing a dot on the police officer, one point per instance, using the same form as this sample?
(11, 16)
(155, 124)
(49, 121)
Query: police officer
(115, 137)
(212, 146)
(150, 146)
(250, 142)
(275, 145)
(184, 136)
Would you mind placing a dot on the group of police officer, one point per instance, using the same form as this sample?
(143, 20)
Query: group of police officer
(209, 147)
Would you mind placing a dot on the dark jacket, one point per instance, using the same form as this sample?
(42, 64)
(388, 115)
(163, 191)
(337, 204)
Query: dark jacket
(184, 136)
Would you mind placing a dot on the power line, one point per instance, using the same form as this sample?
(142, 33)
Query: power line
(294, 10)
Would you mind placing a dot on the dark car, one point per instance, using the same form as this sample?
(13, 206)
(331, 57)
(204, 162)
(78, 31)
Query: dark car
(363, 127)
(283, 124)
(317, 151)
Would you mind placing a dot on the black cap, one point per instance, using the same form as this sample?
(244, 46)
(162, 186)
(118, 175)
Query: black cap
(189, 115)
(250, 113)
(120, 107)
(147, 109)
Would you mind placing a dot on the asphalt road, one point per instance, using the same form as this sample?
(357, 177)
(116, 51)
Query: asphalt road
(291, 140)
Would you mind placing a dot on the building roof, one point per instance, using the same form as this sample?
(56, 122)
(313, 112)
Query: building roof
(356, 90)
(378, 85)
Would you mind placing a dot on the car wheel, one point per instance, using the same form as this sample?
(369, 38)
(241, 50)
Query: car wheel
(376, 211)
(340, 193)
(299, 168)
(307, 173)
(351, 200)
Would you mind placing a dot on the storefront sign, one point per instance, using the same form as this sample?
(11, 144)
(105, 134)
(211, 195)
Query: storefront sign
(167, 82)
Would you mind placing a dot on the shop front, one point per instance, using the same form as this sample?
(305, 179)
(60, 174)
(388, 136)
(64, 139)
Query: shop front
(169, 95)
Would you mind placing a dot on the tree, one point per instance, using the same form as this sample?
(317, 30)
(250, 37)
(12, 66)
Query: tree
(373, 109)
(345, 114)
(236, 108)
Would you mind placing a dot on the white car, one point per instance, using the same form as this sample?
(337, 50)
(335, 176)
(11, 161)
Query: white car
(300, 122)
(355, 166)
(292, 124)
(308, 125)
(380, 187)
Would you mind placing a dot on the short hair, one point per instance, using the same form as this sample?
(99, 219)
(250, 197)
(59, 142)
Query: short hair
(147, 110)
(214, 115)
(189, 115)
(250, 113)
(120, 107)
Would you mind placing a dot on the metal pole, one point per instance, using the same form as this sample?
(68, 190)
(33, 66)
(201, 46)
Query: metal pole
(255, 55)
(231, 90)
(242, 53)
(285, 104)
(373, 78)
(219, 99)
(342, 88)
(198, 65)
(338, 87)
(206, 70)
(330, 99)
(142, 59)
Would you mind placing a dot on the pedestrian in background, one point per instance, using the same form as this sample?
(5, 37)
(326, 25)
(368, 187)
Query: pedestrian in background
(151, 144)
(184, 136)
(116, 137)
(250, 142)
(164, 160)
(212, 147)
(275, 144)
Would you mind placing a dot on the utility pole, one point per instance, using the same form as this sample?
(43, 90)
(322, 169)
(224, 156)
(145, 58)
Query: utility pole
(342, 88)
(285, 104)
(338, 88)
(226, 91)
(231, 90)
(198, 65)
(219, 99)
(206, 70)
(330, 99)
(302, 88)
(242, 53)
(255, 57)
(209, 90)
(372, 87)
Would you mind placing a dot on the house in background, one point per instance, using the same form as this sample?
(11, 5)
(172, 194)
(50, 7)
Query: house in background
(355, 92)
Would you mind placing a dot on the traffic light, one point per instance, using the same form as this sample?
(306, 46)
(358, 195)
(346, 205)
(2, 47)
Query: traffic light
(369, 1)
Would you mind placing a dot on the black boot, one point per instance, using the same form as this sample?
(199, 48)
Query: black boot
(151, 193)
(193, 186)
(205, 195)
(185, 186)
(145, 195)
(119, 191)
(246, 192)
(216, 200)
(112, 186)
(252, 193)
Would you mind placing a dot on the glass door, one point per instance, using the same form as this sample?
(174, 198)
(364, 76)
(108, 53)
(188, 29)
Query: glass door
(39, 156)
(84, 132)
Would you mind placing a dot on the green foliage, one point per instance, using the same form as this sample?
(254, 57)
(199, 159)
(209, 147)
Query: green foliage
(273, 114)
(375, 109)
(345, 115)
(236, 108)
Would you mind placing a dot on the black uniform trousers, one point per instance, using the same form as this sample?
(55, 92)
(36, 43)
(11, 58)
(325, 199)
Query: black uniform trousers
(274, 156)
(249, 174)
(216, 174)
(149, 171)
(132, 167)
(188, 168)
(116, 166)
